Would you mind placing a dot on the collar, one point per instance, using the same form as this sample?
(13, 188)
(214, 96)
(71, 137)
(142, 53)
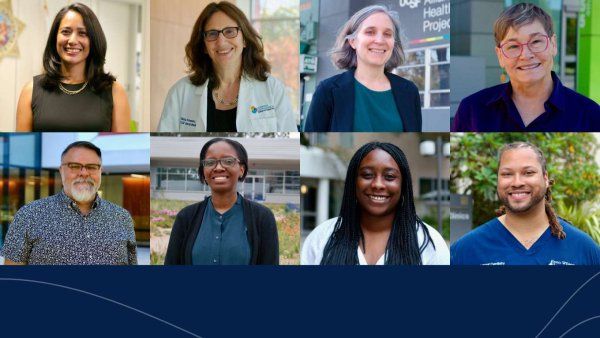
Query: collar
(556, 99)
(71, 203)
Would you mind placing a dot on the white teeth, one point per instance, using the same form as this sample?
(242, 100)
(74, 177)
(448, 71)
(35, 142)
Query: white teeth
(519, 194)
(220, 178)
(529, 67)
(378, 198)
(380, 51)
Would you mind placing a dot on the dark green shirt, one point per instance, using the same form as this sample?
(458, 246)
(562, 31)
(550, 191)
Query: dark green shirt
(375, 111)
(222, 238)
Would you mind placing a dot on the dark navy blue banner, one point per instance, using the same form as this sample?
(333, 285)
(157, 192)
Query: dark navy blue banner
(299, 301)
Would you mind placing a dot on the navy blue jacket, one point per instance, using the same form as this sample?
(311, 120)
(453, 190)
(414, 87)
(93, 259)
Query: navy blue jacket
(332, 106)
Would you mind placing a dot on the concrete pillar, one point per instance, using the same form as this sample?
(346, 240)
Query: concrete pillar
(323, 201)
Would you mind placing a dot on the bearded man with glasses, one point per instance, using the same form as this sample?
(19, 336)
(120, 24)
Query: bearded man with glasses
(75, 226)
(534, 99)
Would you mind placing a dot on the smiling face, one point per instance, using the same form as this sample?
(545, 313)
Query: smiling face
(522, 183)
(528, 68)
(224, 51)
(374, 41)
(72, 41)
(222, 178)
(80, 185)
(379, 183)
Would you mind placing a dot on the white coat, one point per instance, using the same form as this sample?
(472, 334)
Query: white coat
(262, 107)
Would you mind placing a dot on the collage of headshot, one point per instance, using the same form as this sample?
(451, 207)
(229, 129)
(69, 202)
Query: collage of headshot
(299, 132)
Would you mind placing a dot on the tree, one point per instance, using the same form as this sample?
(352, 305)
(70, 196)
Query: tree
(570, 163)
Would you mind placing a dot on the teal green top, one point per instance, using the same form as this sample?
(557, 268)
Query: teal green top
(222, 238)
(375, 111)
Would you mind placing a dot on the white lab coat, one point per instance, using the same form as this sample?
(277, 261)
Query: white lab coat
(262, 107)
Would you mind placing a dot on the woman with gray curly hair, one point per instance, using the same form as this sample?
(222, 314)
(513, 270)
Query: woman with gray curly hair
(367, 97)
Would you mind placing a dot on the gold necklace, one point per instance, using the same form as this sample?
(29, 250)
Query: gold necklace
(71, 92)
(221, 101)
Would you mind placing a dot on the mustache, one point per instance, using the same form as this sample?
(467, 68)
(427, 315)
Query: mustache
(88, 180)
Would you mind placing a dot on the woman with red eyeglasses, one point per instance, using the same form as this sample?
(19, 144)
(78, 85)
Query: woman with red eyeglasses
(229, 87)
(534, 99)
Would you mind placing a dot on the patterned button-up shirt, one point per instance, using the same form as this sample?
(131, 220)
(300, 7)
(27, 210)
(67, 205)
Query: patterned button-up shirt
(52, 230)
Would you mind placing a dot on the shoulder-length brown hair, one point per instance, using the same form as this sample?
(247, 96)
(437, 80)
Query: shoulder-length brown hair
(200, 65)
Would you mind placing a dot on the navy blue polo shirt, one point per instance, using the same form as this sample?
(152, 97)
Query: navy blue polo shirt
(492, 244)
(493, 110)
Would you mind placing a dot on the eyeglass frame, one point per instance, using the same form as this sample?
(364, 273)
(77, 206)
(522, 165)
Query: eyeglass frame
(82, 166)
(222, 31)
(219, 161)
(523, 44)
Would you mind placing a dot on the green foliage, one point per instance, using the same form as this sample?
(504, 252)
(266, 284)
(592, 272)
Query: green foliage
(585, 216)
(162, 217)
(570, 163)
(431, 219)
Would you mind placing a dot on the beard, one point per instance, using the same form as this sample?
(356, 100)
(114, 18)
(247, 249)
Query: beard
(535, 199)
(84, 190)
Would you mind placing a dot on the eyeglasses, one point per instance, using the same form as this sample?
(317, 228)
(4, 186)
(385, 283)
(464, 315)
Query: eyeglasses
(75, 167)
(228, 32)
(514, 49)
(226, 162)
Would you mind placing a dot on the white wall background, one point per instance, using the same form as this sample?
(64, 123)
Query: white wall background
(120, 20)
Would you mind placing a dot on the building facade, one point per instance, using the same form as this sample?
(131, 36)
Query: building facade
(273, 168)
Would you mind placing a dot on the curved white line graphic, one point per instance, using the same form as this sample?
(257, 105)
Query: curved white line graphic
(565, 303)
(101, 297)
(580, 323)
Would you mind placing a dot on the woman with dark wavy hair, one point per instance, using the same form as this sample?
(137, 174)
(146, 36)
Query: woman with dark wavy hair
(229, 87)
(74, 93)
(378, 223)
(367, 96)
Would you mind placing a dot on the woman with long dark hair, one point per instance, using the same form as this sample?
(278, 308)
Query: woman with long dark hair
(74, 93)
(225, 228)
(378, 223)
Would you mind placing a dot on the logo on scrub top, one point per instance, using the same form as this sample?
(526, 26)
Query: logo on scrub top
(261, 109)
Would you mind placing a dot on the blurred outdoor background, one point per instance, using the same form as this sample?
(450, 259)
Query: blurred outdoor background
(572, 161)
(324, 161)
(273, 179)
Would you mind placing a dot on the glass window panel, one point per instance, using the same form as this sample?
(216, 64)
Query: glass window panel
(440, 76)
(192, 175)
(440, 99)
(414, 74)
(440, 55)
(415, 58)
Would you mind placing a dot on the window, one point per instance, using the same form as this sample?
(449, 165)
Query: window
(257, 182)
(428, 189)
(279, 24)
(429, 69)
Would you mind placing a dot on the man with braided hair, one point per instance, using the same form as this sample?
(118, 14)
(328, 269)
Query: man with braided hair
(527, 230)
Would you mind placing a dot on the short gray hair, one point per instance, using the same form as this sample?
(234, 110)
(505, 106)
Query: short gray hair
(519, 15)
(343, 55)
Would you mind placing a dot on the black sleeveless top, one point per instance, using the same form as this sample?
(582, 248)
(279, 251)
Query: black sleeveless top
(84, 111)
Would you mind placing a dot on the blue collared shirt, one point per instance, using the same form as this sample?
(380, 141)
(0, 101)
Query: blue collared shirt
(223, 238)
(493, 110)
